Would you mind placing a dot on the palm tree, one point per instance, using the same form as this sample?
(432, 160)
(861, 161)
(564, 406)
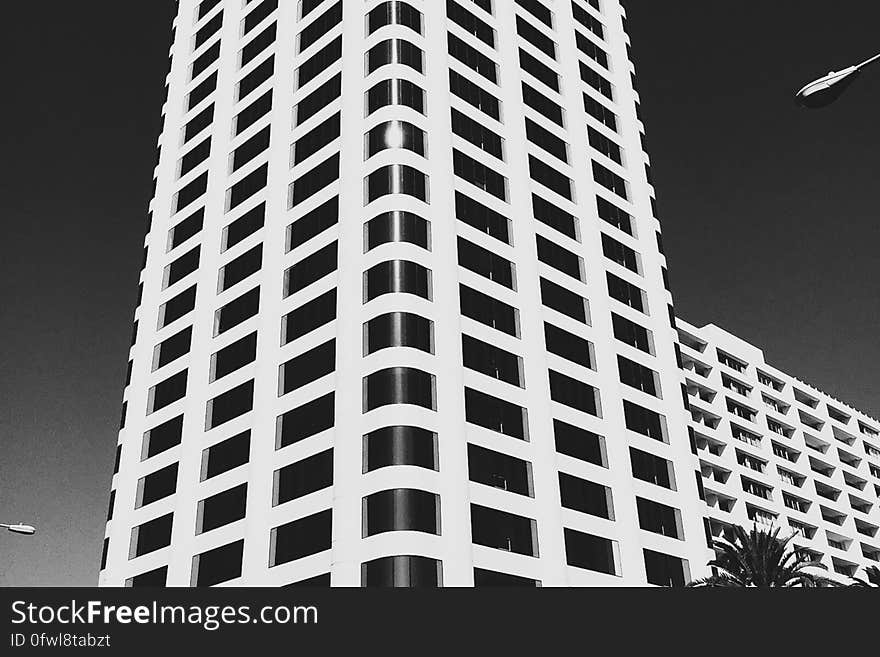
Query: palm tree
(873, 581)
(759, 558)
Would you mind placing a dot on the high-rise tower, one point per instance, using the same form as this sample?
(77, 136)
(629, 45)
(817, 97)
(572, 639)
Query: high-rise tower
(403, 316)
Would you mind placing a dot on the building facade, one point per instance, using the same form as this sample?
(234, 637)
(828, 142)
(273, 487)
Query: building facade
(775, 451)
(403, 316)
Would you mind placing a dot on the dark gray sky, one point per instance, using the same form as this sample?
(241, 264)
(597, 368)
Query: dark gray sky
(770, 221)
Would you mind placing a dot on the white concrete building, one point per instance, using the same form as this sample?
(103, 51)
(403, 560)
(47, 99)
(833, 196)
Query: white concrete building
(776, 451)
(403, 317)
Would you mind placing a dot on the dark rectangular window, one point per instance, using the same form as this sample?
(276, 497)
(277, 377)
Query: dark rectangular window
(470, 23)
(495, 414)
(167, 392)
(191, 191)
(613, 215)
(182, 267)
(238, 269)
(314, 140)
(541, 71)
(151, 536)
(486, 466)
(221, 509)
(591, 50)
(479, 174)
(484, 219)
(489, 311)
(186, 229)
(474, 95)
(259, 14)
(539, 10)
(308, 6)
(590, 552)
(599, 112)
(156, 486)
(564, 301)
(303, 477)
(620, 253)
(230, 405)
(226, 455)
(560, 258)
(198, 123)
(604, 145)
(218, 565)
(162, 437)
(172, 348)
(245, 188)
(653, 469)
(491, 578)
(319, 62)
(245, 226)
(177, 306)
(631, 333)
(301, 538)
(585, 496)
(201, 91)
(206, 6)
(307, 367)
(305, 421)
(543, 105)
(537, 38)
(579, 443)
(550, 178)
(552, 216)
(320, 26)
(314, 180)
(477, 134)
(319, 99)
(609, 180)
(253, 112)
(472, 58)
(569, 346)
(250, 149)
(664, 569)
(503, 531)
(208, 30)
(596, 81)
(546, 140)
(491, 361)
(237, 311)
(637, 376)
(643, 421)
(309, 316)
(485, 263)
(310, 269)
(587, 20)
(658, 518)
(196, 155)
(256, 77)
(625, 292)
(574, 393)
(155, 578)
(258, 44)
(234, 356)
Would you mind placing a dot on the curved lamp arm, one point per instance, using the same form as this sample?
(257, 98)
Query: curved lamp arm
(828, 88)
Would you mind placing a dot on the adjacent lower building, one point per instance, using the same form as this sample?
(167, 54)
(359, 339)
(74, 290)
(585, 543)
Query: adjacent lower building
(776, 451)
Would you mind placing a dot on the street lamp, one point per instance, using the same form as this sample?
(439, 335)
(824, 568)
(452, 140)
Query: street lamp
(19, 529)
(828, 88)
